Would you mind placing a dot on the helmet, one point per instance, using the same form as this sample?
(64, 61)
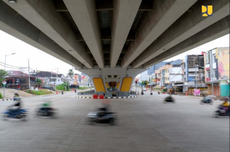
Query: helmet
(226, 98)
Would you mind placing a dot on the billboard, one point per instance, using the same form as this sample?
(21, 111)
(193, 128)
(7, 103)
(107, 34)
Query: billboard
(223, 63)
(196, 92)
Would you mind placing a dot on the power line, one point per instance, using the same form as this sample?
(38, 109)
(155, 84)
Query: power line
(9, 66)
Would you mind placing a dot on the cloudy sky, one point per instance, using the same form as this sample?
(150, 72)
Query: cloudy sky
(40, 60)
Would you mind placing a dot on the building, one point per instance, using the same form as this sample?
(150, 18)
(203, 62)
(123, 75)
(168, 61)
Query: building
(194, 73)
(152, 71)
(50, 79)
(170, 75)
(155, 67)
(19, 80)
(176, 62)
(217, 71)
(175, 75)
(144, 76)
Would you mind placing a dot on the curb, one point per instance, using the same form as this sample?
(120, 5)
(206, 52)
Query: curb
(84, 97)
(6, 99)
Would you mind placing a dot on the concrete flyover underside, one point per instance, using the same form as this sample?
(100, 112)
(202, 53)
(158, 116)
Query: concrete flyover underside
(96, 34)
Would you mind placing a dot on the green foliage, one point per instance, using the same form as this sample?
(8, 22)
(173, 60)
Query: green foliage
(164, 90)
(144, 83)
(3, 74)
(70, 73)
(83, 88)
(1, 96)
(63, 87)
(38, 81)
(39, 92)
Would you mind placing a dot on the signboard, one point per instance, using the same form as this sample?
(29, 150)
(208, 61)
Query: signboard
(196, 92)
(191, 78)
(207, 57)
(4, 82)
(191, 83)
(192, 69)
(186, 88)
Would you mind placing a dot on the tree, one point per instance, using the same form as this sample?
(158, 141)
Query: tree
(3, 74)
(144, 83)
(63, 87)
(70, 73)
(38, 82)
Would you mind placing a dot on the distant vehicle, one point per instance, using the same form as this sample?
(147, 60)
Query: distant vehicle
(222, 111)
(101, 117)
(74, 86)
(16, 114)
(169, 99)
(207, 99)
(144, 89)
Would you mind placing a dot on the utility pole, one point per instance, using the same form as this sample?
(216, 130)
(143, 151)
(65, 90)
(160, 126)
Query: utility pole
(211, 69)
(56, 79)
(29, 72)
(196, 75)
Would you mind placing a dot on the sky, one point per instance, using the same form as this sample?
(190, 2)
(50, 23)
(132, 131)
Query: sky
(42, 61)
(38, 59)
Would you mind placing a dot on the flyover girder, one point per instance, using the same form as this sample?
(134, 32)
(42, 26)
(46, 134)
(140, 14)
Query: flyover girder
(44, 16)
(216, 30)
(123, 18)
(186, 26)
(164, 14)
(14, 24)
(85, 17)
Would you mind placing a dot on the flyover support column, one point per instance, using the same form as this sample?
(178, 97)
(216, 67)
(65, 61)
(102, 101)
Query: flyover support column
(107, 77)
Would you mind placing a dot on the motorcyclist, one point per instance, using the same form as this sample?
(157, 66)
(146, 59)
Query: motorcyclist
(45, 105)
(170, 96)
(105, 106)
(16, 106)
(225, 104)
(16, 94)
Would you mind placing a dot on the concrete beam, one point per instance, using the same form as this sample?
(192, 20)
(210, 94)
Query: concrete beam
(189, 24)
(216, 30)
(83, 13)
(14, 24)
(104, 5)
(123, 18)
(146, 5)
(60, 6)
(47, 20)
(121, 72)
(164, 14)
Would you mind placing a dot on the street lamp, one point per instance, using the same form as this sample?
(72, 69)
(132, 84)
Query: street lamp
(56, 79)
(5, 70)
(5, 59)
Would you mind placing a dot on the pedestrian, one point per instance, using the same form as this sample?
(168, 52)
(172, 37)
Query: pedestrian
(142, 92)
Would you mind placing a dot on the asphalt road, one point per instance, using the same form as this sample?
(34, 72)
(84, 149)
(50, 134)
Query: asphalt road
(146, 124)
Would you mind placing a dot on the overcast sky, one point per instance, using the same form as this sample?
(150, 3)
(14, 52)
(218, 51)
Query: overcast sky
(42, 61)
